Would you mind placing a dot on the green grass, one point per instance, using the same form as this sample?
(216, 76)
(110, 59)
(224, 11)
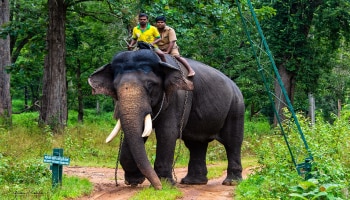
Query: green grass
(23, 146)
(72, 187)
(168, 192)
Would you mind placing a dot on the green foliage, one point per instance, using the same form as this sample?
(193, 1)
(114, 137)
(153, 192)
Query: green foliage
(26, 172)
(27, 29)
(276, 177)
(23, 175)
(312, 189)
(31, 179)
(95, 30)
(216, 26)
(308, 39)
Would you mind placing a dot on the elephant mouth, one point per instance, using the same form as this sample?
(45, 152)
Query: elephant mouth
(146, 131)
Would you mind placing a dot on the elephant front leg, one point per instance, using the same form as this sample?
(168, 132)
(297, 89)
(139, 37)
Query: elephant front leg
(133, 175)
(197, 169)
(163, 164)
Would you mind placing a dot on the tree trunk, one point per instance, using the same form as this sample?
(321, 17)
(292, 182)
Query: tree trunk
(312, 108)
(5, 61)
(98, 107)
(288, 82)
(339, 108)
(53, 110)
(80, 94)
(252, 111)
(26, 97)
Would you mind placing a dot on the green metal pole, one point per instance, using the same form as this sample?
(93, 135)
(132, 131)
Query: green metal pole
(289, 104)
(57, 169)
(260, 70)
(307, 165)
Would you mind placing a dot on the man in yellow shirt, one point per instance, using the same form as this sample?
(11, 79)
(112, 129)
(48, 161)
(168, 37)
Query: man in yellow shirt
(168, 43)
(144, 32)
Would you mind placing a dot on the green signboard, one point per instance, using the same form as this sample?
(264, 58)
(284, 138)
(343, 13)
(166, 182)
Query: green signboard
(56, 160)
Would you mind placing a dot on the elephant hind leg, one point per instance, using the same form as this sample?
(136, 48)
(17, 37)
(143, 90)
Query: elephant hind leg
(234, 165)
(231, 136)
(197, 169)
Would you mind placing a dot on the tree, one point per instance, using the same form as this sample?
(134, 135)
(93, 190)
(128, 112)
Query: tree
(54, 111)
(5, 61)
(26, 30)
(304, 36)
(95, 32)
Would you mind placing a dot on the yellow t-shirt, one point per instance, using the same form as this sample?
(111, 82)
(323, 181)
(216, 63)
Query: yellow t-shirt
(149, 34)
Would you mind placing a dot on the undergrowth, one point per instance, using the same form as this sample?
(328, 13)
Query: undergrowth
(23, 175)
(276, 176)
(22, 148)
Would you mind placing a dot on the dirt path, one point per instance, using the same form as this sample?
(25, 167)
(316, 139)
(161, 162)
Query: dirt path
(105, 189)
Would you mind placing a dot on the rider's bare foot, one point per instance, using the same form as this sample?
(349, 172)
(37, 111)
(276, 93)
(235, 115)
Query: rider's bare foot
(191, 73)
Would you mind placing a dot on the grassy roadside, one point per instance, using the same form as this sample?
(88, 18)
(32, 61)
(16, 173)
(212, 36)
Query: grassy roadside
(23, 175)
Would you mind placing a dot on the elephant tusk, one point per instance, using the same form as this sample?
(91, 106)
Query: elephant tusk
(114, 132)
(148, 126)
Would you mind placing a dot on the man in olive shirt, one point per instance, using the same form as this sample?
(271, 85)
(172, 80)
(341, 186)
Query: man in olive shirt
(168, 44)
(144, 32)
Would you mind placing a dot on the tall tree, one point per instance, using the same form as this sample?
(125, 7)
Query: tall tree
(54, 110)
(5, 61)
(304, 36)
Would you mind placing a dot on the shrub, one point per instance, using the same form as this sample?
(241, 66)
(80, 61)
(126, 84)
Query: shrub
(277, 178)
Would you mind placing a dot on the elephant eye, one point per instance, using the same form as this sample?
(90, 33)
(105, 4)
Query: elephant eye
(149, 85)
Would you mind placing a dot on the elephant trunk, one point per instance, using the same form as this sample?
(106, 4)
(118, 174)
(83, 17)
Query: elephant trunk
(133, 109)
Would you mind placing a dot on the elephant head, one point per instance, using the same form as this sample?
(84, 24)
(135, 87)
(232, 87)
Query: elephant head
(139, 81)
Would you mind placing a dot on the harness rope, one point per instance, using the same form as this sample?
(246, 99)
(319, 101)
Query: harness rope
(180, 131)
(160, 109)
(181, 122)
(121, 140)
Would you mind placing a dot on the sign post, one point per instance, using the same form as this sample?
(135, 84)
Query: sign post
(57, 161)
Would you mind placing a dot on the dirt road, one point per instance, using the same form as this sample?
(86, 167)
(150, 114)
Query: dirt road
(105, 189)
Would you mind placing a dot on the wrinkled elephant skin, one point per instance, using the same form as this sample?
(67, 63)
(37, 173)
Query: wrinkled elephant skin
(207, 106)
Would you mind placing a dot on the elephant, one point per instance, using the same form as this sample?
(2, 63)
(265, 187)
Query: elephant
(197, 110)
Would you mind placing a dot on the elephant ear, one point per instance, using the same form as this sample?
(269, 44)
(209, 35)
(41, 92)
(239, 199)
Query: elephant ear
(101, 81)
(174, 79)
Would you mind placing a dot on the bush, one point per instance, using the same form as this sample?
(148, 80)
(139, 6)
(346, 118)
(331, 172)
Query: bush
(277, 178)
(20, 177)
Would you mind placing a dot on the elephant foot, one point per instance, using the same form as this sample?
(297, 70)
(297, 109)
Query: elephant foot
(194, 181)
(133, 182)
(232, 180)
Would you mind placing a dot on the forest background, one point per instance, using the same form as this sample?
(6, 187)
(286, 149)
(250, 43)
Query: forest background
(48, 49)
(54, 47)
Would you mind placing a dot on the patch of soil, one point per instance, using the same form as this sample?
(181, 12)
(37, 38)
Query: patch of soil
(105, 186)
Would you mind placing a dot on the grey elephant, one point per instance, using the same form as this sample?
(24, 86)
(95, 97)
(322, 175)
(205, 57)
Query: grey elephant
(207, 107)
